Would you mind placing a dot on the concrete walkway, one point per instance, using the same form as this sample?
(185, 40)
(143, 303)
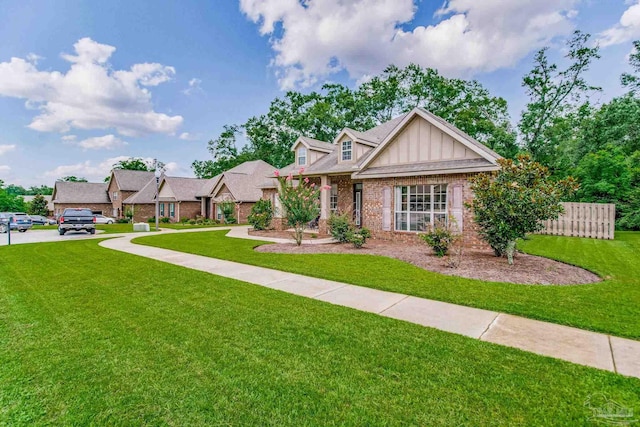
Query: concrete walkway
(571, 344)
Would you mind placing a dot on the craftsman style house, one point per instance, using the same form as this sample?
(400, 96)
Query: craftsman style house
(396, 178)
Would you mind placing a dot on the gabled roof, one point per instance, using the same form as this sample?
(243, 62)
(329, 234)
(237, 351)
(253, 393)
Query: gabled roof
(184, 189)
(80, 192)
(146, 195)
(315, 144)
(244, 181)
(129, 180)
(469, 142)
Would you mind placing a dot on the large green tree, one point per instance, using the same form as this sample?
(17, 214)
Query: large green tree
(10, 202)
(38, 206)
(557, 100)
(72, 178)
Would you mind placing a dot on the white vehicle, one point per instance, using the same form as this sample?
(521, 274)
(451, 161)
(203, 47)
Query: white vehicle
(101, 219)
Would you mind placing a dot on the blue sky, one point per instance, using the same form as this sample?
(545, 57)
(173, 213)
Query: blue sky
(85, 83)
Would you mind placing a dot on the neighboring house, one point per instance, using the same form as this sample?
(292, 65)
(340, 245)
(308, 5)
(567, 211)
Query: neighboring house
(143, 203)
(179, 197)
(50, 208)
(397, 178)
(242, 185)
(124, 183)
(81, 195)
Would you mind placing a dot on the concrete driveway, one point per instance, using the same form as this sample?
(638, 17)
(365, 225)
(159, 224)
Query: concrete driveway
(39, 236)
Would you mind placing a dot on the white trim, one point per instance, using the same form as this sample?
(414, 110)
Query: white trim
(410, 116)
(357, 175)
(301, 140)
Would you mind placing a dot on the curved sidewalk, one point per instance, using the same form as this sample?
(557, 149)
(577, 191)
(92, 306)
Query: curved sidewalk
(562, 342)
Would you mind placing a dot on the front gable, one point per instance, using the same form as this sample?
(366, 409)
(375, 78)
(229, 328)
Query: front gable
(165, 191)
(222, 192)
(421, 141)
(312, 154)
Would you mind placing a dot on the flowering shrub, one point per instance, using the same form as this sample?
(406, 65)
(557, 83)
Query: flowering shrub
(261, 215)
(300, 201)
(358, 237)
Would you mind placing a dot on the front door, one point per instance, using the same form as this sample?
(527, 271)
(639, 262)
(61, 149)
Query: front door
(357, 204)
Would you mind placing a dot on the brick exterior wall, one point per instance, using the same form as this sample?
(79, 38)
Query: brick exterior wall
(373, 198)
(105, 208)
(142, 212)
(186, 210)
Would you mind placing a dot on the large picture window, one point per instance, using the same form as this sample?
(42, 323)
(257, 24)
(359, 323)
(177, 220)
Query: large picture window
(346, 150)
(418, 206)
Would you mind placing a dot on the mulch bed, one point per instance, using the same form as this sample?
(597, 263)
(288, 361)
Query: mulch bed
(286, 234)
(483, 265)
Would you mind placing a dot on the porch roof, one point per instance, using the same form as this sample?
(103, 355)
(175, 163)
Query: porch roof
(428, 168)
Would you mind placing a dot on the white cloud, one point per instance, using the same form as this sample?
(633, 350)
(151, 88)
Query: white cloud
(98, 171)
(6, 148)
(628, 28)
(69, 138)
(186, 136)
(107, 142)
(194, 86)
(90, 95)
(4, 168)
(316, 39)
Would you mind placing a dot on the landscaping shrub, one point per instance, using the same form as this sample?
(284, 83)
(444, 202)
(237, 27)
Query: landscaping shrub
(123, 221)
(165, 220)
(440, 237)
(228, 209)
(358, 237)
(340, 226)
(152, 219)
(261, 215)
(192, 222)
(185, 220)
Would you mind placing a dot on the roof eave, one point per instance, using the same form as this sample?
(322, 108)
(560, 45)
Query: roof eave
(448, 171)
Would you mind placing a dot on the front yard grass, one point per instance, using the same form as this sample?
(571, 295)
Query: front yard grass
(611, 306)
(90, 336)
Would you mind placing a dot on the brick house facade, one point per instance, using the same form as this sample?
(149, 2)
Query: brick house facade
(398, 178)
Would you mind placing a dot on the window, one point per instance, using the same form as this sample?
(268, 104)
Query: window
(115, 195)
(161, 209)
(417, 206)
(302, 156)
(346, 150)
(172, 210)
(333, 198)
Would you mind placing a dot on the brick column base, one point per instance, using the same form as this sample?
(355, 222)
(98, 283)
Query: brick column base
(323, 228)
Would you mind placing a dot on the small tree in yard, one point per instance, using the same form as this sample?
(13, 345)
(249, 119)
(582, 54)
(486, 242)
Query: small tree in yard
(38, 206)
(514, 201)
(300, 202)
(227, 208)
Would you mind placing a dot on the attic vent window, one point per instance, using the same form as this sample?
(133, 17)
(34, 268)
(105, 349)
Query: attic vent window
(346, 150)
(302, 156)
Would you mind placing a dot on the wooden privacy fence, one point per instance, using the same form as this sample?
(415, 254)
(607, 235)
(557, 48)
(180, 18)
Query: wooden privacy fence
(594, 220)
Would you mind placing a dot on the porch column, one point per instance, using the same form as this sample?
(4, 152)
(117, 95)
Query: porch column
(324, 197)
(325, 201)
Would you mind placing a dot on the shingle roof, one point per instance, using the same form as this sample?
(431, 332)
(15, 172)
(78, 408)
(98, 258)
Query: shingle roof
(146, 195)
(245, 181)
(380, 132)
(129, 180)
(80, 192)
(316, 143)
(184, 189)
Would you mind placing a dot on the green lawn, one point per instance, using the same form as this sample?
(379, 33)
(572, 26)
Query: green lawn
(612, 306)
(90, 336)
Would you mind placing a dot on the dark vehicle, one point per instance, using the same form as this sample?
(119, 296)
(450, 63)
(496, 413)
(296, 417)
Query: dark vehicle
(41, 220)
(19, 221)
(77, 219)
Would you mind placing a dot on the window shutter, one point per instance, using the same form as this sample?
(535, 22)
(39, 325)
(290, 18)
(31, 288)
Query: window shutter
(386, 209)
(457, 205)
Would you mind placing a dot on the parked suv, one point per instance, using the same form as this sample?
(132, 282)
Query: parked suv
(19, 221)
(77, 219)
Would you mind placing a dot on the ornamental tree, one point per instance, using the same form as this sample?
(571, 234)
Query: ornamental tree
(38, 206)
(515, 200)
(300, 200)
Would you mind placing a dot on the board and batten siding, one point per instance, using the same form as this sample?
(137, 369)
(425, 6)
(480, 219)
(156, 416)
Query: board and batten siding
(593, 220)
(420, 141)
